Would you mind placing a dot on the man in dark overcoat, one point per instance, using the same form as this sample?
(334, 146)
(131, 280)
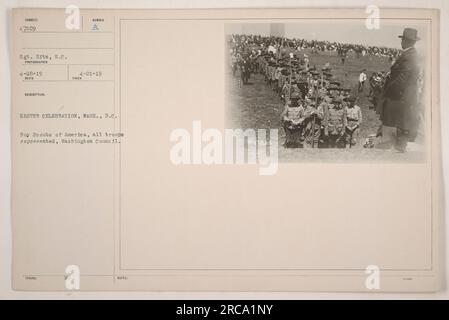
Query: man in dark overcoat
(399, 112)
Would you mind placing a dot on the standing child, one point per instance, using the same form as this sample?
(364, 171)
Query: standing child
(335, 124)
(292, 119)
(353, 122)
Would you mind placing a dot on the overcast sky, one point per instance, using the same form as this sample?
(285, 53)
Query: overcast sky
(353, 31)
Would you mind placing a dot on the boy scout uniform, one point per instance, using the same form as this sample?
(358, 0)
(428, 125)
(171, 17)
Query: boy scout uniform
(292, 119)
(312, 127)
(335, 124)
(354, 120)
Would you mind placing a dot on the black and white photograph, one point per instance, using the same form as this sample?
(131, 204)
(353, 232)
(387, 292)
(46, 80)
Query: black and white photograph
(232, 152)
(335, 90)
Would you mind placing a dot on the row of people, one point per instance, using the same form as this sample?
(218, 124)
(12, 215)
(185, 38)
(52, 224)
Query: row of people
(319, 111)
(277, 45)
(333, 123)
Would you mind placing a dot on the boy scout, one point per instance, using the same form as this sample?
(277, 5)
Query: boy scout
(312, 127)
(292, 119)
(354, 120)
(334, 124)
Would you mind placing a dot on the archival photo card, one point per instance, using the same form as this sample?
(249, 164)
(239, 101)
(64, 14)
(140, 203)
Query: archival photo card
(226, 150)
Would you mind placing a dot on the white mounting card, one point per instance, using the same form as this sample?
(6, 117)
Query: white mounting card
(226, 150)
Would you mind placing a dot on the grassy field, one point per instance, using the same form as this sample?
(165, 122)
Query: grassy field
(257, 106)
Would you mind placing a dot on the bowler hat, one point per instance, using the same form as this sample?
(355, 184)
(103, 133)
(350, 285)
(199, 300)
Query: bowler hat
(410, 33)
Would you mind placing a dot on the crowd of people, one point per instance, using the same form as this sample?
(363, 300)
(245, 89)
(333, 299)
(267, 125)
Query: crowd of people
(278, 45)
(320, 111)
